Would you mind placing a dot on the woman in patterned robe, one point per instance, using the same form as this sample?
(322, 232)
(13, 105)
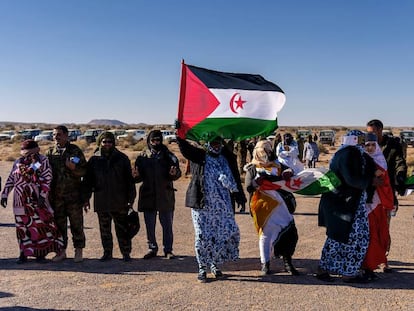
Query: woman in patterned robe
(30, 177)
(215, 178)
(343, 212)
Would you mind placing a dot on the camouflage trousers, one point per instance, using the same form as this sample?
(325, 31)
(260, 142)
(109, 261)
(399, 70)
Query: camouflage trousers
(121, 230)
(72, 211)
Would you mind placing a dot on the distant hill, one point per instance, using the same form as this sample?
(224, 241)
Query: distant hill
(106, 122)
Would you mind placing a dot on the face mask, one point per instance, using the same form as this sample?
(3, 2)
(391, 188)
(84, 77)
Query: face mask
(156, 147)
(214, 151)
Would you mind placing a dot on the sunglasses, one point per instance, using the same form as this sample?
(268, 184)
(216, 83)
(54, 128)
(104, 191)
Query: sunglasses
(107, 141)
(155, 139)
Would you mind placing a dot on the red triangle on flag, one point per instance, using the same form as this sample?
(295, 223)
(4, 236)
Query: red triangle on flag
(196, 101)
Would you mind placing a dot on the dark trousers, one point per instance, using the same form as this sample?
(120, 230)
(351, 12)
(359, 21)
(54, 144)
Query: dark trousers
(121, 230)
(166, 220)
(74, 212)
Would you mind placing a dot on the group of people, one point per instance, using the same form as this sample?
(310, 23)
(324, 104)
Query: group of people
(58, 186)
(54, 189)
(372, 170)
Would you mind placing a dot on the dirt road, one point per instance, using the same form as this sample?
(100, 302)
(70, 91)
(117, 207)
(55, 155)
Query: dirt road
(162, 284)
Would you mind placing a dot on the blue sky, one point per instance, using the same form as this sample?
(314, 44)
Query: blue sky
(339, 62)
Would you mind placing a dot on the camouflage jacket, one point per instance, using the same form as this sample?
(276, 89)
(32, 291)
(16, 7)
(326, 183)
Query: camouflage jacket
(66, 184)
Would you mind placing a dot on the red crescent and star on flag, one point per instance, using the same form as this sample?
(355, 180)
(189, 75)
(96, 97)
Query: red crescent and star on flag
(236, 102)
(294, 183)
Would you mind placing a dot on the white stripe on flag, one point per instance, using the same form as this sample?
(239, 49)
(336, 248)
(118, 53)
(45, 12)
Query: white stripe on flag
(258, 104)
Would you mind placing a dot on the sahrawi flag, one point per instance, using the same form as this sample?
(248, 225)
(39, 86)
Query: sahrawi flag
(311, 181)
(230, 105)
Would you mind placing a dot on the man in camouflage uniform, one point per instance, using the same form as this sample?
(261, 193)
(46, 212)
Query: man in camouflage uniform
(68, 167)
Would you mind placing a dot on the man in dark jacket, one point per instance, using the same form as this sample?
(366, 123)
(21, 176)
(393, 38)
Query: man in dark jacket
(157, 168)
(109, 176)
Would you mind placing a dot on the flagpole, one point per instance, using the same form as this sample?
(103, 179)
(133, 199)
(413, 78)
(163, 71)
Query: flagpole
(181, 100)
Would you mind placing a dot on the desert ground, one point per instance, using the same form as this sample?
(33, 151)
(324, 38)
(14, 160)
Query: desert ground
(161, 284)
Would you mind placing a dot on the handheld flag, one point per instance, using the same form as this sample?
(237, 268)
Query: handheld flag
(231, 105)
(311, 181)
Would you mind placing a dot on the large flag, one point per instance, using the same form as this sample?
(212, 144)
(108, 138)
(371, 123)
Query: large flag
(231, 105)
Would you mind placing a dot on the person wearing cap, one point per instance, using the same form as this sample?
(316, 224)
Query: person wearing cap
(30, 177)
(287, 153)
(396, 166)
(156, 168)
(68, 166)
(215, 178)
(379, 202)
(343, 213)
(109, 178)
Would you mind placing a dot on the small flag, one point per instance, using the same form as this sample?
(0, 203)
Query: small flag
(231, 105)
(311, 181)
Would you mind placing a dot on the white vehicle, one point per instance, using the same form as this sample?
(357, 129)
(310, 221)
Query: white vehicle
(408, 136)
(169, 136)
(44, 135)
(6, 135)
(327, 137)
(135, 134)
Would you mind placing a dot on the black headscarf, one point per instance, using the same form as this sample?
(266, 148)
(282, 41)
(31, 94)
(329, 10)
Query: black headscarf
(109, 136)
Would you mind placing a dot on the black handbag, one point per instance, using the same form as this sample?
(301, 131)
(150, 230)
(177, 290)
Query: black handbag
(133, 223)
(289, 199)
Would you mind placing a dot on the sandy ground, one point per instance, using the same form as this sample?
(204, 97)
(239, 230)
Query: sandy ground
(161, 284)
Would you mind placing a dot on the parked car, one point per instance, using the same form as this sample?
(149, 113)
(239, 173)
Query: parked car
(137, 135)
(408, 136)
(26, 134)
(327, 137)
(303, 134)
(73, 134)
(387, 133)
(90, 135)
(6, 135)
(44, 135)
(169, 136)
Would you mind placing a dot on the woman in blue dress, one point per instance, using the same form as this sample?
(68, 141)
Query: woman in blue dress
(215, 179)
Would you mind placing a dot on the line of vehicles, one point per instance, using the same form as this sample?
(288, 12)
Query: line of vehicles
(327, 137)
(90, 135)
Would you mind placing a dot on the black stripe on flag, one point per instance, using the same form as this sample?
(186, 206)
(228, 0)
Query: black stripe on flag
(226, 80)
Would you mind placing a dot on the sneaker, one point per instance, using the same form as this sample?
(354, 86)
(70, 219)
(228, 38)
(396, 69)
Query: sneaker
(169, 255)
(265, 269)
(216, 271)
(78, 255)
(126, 258)
(106, 256)
(324, 276)
(150, 254)
(202, 277)
(59, 256)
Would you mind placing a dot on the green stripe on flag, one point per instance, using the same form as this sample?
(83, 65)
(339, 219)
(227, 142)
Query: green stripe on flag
(409, 182)
(231, 128)
(325, 183)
